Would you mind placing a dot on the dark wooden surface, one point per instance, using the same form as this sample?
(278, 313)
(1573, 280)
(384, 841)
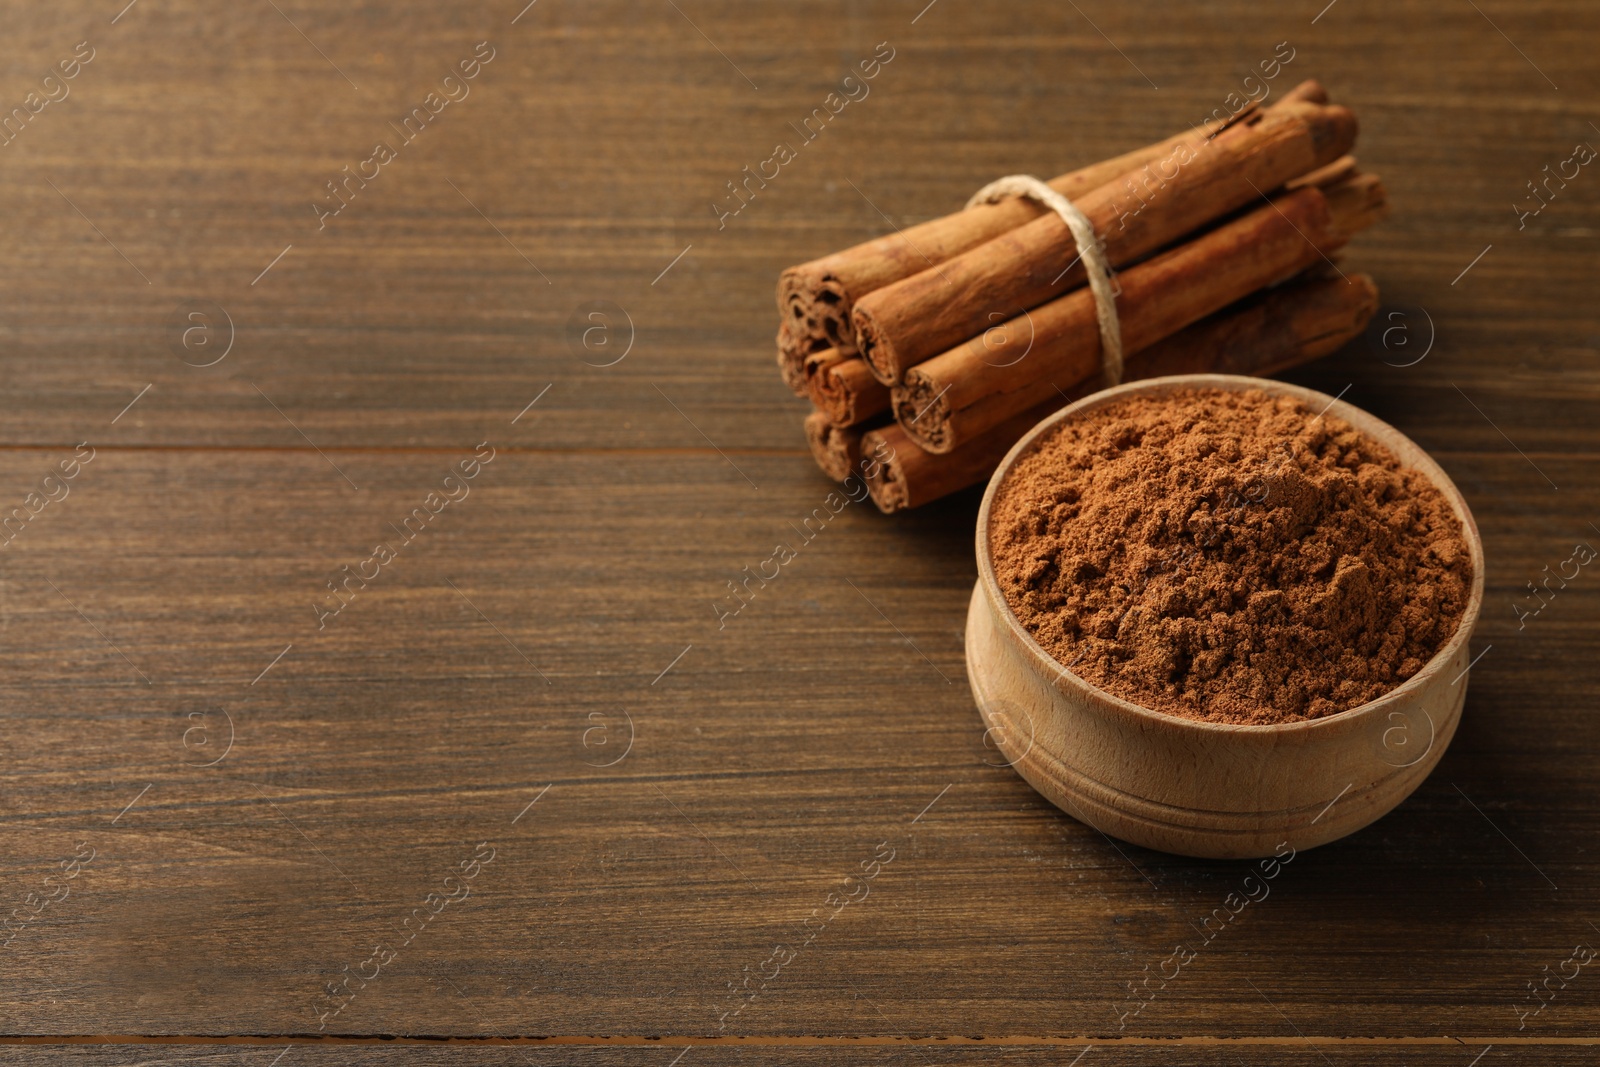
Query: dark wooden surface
(502, 656)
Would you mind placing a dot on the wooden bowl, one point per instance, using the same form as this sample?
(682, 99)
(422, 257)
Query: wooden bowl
(1201, 788)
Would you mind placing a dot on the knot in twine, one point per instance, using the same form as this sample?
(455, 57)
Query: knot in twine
(1090, 250)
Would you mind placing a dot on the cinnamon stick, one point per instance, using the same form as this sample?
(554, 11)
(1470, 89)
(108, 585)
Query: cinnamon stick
(910, 477)
(817, 363)
(909, 321)
(1268, 332)
(837, 449)
(847, 391)
(815, 299)
(1335, 172)
(793, 348)
(964, 392)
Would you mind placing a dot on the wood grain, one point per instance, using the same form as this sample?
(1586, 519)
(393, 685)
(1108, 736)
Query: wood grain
(818, 1054)
(767, 763)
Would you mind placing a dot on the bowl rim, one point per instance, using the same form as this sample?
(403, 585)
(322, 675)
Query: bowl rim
(1303, 729)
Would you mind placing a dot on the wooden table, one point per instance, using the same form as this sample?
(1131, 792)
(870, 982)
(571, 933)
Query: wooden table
(253, 392)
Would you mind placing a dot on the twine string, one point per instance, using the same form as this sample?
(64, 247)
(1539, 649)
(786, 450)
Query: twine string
(1090, 250)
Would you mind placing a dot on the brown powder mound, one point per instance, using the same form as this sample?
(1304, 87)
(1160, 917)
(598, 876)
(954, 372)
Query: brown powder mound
(1228, 556)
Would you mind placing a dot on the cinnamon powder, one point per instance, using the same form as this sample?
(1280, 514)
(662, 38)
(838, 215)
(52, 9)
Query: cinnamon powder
(1228, 556)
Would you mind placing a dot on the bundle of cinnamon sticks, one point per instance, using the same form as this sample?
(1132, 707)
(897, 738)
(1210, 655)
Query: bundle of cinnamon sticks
(929, 352)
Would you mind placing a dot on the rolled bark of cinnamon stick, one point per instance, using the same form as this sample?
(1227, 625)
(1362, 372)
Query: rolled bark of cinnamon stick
(960, 394)
(815, 299)
(817, 363)
(1269, 332)
(1335, 172)
(909, 477)
(903, 324)
(793, 349)
(837, 449)
(848, 393)
(1266, 333)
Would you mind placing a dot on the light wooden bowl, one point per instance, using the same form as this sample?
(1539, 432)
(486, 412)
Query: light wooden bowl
(1200, 788)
